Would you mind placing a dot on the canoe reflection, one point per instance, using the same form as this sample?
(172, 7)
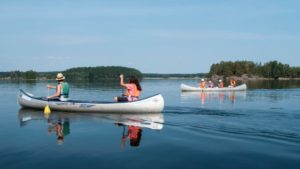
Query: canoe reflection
(208, 97)
(59, 123)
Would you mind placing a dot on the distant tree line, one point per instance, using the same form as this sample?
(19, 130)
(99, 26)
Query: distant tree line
(30, 75)
(174, 75)
(100, 73)
(272, 69)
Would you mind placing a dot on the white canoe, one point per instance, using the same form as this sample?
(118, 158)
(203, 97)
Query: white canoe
(153, 104)
(187, 88)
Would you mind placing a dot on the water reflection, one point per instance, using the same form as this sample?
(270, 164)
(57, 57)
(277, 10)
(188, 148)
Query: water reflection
(61, 127)
(214, 97)
(273, 84)
(133, 133)
(59, 123)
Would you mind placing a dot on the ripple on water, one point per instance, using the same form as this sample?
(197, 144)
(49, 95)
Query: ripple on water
(272, 125)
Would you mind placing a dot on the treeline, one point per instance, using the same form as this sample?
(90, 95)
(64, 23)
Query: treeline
(27, 75)
(272, 69)
(175, 75)
(100, 73)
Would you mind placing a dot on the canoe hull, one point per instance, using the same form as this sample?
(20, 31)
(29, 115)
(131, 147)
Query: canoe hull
(152, 104)
(187, 88)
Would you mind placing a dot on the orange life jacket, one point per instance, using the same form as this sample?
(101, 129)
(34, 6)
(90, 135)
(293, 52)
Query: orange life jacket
(233, 83)
(203, 84)
(135, 91)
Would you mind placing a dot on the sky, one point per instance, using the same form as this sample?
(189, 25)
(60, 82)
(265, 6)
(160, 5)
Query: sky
(153, 36)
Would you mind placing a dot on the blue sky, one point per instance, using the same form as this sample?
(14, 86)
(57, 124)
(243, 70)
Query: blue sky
(154, 36)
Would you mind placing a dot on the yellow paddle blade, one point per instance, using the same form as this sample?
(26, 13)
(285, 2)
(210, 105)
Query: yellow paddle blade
(47, 109)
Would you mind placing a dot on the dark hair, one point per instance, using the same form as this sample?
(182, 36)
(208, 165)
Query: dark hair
(134, 80)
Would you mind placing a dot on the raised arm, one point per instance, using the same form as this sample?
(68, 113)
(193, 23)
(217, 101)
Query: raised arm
(122, 80)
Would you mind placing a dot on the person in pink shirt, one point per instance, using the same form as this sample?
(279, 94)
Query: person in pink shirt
(133, 89)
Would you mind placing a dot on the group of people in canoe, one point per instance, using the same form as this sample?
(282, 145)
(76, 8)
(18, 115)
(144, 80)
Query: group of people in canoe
(133, 89)
(210, 84)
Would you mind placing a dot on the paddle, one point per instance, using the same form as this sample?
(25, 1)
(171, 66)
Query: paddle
(47, 107)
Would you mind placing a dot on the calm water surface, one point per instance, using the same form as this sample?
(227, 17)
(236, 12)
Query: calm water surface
(259, 128)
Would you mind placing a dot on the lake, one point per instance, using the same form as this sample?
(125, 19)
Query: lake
(258, 128)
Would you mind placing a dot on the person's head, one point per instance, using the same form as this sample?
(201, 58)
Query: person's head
(220, 80)
(134, 80)
(60, 77)
(202, 80)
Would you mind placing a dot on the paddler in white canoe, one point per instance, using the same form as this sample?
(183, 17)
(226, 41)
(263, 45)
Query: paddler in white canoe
(62, 89)
(133, 89)
(232, 83)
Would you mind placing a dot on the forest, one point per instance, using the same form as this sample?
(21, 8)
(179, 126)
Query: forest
(174, 75)
(100, 73)
(272, 69)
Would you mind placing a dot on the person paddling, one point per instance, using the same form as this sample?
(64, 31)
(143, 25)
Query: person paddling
(133, 89)
(203, 83)
(221, 84)
(62, 89)
(210, 84)
(232, 83)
